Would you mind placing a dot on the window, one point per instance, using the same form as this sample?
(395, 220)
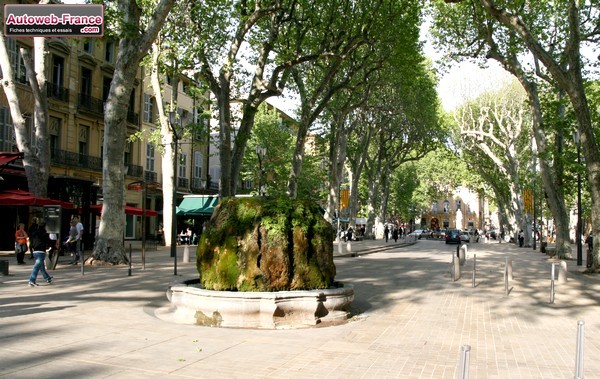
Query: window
(148, 108)
(150, 157)
(182, 165)
(54, 132)
(106, 88)
(88, 46)
(434, 207)
(58, 70)
(458, 204)
(16, 61)
(7, 131)
(446, 206)
(198, 160)
(127, 156)
(84, 132)
(109, 52)
(86, 81)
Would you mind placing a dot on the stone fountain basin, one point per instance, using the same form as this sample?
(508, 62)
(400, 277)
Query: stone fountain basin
(191, 304)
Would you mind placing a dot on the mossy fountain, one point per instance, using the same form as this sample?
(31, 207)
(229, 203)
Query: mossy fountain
(264, 263)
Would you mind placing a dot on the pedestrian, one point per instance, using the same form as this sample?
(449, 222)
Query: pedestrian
(21, 237)
(39, 242)
(521, 238)
(349, 233)
(590, 243)
(395, 234)
(79, 240)
(32, 227)
(386, 233)
(72, 241)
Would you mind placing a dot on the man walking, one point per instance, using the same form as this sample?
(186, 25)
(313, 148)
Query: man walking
(39, 241)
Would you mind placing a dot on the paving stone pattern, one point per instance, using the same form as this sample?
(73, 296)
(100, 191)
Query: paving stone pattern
(410, 321)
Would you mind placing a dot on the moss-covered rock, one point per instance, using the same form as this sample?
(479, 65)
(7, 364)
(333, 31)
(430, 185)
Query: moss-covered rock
(256, 244)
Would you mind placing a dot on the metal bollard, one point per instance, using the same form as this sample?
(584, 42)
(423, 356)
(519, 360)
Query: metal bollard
(579, 352)
(456, 263)
(474, 268)
(129, 260)
(510, 269)
(463, 369)
(186, 254)
(552, 285)
(506, 276)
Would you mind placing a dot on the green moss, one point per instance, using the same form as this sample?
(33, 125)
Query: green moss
(256, 244)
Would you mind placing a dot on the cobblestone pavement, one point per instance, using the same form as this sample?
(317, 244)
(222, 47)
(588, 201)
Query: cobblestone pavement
(410, 321)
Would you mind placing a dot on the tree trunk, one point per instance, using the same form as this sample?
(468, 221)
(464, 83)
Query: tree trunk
(36, 150)
(570, 80)
(132, 48)
(225, 188)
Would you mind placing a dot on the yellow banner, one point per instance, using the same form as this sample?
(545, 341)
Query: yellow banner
(528, 201)
(345, 197)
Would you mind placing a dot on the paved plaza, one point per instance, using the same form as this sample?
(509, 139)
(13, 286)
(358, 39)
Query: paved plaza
(410, 321)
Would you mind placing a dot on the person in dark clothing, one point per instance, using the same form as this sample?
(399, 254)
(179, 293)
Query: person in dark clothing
(39, 242)
(386, 233)
(349, 234)
(395, 234)
(521, 238)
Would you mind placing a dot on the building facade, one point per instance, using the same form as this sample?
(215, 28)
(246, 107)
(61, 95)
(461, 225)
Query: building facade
(78, 81)
(463, 209)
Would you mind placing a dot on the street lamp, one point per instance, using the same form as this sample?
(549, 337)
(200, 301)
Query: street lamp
(260, 153)
(172, 125)
(579, 226)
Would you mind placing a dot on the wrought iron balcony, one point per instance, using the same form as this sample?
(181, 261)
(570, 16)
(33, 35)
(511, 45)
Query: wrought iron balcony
(183, 182)
(134, 170)
(197, 183)
(91, 104)
(150, 176)
(71, 159)
(57, 92)
(133, 118)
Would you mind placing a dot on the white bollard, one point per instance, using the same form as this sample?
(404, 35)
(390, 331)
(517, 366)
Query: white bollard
(579, 352)
(463, 254)
(456, 265)
(349, 247)
(186, 254)
(465, 354)
(510, 269)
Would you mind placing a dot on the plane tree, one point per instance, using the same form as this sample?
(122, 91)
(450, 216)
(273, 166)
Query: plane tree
(137, 28)
(35, 146)
(554, 35)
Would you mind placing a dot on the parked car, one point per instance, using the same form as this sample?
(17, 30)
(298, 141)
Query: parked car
(491, 234)
(453, 236)
(465, 236)
(418, 233)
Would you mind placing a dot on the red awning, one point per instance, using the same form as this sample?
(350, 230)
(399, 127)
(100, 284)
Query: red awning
(97, 208)
(19, 197)
(7, 157)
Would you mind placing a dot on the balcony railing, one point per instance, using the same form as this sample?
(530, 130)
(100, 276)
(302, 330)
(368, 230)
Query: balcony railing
(197, 183)
(133, 118)
(57, 92)
(71, 159)
(134, 170)
(150, 176)
(91, 104)
(183, 182)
